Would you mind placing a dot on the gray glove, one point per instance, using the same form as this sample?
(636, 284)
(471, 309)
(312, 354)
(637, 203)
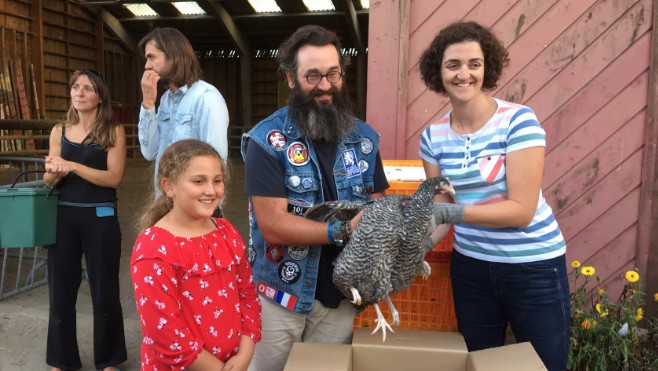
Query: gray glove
(448, 213)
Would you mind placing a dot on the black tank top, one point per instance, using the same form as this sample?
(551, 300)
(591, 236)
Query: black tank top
(73, 188)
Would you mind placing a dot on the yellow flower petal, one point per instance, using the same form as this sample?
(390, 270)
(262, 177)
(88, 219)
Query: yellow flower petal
(588, 271)
(586, 324)
(575, 264)
(640, 314)
(601, 291)
(602, 311)
(632, 276)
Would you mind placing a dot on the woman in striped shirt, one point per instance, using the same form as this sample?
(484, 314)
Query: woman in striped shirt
(508, 263)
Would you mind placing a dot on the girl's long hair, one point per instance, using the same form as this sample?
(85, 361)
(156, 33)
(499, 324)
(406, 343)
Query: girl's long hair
(173, 163)
(103, 129)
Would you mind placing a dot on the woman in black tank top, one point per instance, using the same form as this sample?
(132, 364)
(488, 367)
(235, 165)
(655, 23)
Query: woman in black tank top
(86, 162)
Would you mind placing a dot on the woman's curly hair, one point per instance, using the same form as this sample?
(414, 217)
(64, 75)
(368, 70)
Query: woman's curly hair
(496, 56)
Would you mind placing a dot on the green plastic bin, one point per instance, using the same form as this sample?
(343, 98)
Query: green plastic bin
(28, 217)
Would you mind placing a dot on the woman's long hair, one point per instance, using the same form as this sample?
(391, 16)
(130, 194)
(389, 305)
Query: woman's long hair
(173, 163)
(103, 128)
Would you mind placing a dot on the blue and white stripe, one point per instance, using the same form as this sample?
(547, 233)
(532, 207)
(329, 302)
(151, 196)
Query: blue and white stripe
(513, 127)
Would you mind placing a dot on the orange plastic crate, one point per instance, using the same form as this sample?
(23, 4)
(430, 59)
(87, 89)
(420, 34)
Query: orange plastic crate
(426, 305)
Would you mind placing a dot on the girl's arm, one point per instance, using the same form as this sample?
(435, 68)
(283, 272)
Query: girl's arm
(156, 293)
(241, 360)
(116, 163)
(206, 361)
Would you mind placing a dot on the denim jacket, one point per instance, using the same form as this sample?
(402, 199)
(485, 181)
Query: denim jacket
(194, 112)
(287, 275)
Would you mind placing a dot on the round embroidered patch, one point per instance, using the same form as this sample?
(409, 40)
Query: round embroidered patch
(289, 272)
(298, 252)
(277, 140)
(307, 183)
(366, 146)
(294, 180)
(363, 166)
(298, 154)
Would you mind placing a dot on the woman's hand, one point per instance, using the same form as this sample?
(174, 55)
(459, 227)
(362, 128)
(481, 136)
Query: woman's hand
(57, 166)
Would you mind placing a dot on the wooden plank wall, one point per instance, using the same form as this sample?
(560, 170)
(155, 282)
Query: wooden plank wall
(584, 67)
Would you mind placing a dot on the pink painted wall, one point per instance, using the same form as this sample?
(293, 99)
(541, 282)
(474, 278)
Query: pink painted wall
(584, 67)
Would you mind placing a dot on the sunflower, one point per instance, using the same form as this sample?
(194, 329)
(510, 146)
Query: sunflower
(632, 276)
(587, 271)
(640, 315)
(655, 297)
(600, 291)
(586, 324)
(575, 264)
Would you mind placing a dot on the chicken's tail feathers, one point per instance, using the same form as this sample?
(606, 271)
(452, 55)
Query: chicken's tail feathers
(335, 210)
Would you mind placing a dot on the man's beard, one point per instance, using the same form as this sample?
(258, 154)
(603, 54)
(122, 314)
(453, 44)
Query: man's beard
(318, 122)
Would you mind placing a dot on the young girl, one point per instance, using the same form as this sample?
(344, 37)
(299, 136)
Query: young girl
(193, 284)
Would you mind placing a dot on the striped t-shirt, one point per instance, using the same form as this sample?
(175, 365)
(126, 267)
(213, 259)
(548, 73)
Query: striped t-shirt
(475, 165)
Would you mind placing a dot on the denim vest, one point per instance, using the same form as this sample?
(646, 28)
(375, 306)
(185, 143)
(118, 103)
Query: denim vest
(287, 275)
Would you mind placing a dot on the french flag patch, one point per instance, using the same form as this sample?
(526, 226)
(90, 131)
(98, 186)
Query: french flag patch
(281, 297)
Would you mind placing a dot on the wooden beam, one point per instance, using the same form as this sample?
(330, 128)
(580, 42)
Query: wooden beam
(99, 53)
(229, 25)
(352, 23)
(388, 47)
(647, 253)
(245, 84)
(244, 50)
(37, 53)
(115, 26)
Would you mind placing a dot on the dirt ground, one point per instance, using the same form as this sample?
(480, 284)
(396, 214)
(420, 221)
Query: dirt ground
(24, 317)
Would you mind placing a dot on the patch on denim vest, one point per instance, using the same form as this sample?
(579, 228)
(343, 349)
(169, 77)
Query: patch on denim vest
(351, 163)
(277, 140)
(366, 146)
(289, 272)
(274, 253)
(298, 154)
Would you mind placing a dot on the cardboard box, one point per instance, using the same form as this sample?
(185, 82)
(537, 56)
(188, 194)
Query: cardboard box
(411, 351)
(319, 357)
(522, 355)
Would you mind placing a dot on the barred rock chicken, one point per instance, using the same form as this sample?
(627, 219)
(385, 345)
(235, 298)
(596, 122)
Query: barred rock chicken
(386, 250)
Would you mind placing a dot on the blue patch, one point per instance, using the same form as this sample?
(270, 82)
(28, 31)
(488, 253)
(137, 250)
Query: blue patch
(103, 211)
(351, 163)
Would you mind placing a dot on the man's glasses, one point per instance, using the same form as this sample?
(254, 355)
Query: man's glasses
(333, 77)
(89, 71)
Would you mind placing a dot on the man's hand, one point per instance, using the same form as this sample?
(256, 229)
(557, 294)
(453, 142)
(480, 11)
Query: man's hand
(149, 88)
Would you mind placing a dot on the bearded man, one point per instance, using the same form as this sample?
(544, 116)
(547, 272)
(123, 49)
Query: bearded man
(190, 108)
(311, 151)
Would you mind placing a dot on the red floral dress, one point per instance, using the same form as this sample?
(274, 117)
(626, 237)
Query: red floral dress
(192, 294)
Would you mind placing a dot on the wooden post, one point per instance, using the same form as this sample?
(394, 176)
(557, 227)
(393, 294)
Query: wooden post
(647, 252)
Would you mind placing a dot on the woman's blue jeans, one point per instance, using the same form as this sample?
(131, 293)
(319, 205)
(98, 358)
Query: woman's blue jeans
(532, 297)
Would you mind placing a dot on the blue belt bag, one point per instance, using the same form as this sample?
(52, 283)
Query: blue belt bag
(103, 209)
